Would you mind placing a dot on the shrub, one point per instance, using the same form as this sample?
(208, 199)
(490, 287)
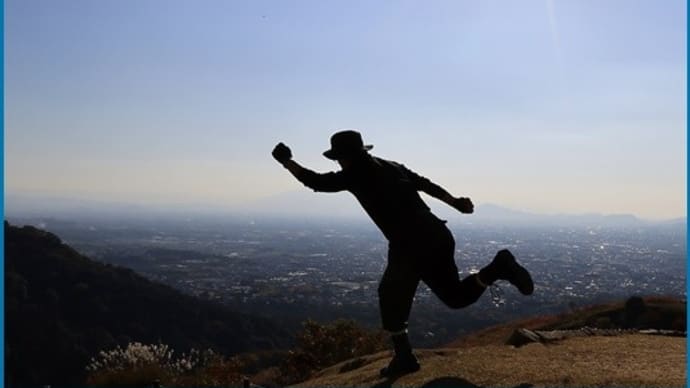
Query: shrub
(323, 345)
(145, 365)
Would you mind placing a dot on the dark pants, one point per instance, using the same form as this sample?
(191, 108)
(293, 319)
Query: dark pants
(429, 257)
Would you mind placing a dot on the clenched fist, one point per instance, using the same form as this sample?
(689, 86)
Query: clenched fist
(282, 153)
(464, 205)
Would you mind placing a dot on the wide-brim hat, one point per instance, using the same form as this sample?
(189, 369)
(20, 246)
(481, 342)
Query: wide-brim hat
(346, 144)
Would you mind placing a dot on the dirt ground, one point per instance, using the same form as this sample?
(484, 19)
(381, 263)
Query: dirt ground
(632, 360)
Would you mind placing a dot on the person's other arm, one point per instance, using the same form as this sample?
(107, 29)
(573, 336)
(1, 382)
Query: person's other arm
(462, 204)
(328, 182)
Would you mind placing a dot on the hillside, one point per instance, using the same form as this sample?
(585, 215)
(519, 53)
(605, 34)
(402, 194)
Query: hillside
(658, 313)
(627, 360)
(61, 308)
(622, 357)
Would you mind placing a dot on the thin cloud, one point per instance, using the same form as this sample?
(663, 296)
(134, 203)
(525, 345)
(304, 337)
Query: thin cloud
(555, 36)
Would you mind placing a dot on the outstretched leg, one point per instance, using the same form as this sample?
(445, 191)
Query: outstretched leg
(396, 294)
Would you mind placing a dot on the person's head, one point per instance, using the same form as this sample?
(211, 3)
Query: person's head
(346, 147)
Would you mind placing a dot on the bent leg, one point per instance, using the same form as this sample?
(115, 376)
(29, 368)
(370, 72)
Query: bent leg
(452, 291)
(441, 275)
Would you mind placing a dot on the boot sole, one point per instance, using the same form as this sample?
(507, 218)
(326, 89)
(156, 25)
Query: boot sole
(386, 373)
(524, 281)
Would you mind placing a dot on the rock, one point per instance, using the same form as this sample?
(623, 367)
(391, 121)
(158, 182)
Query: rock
(522, 337)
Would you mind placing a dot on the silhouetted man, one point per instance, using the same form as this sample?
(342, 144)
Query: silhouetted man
(420, 245)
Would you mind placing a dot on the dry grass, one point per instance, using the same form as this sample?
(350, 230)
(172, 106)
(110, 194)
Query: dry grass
(621, 361)
(498, 334)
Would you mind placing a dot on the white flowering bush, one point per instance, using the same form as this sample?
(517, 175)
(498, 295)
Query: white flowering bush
(134, 355)
(139, 364)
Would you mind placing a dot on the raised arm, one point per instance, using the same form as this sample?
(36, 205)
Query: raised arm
(462, 204)
(328, 182)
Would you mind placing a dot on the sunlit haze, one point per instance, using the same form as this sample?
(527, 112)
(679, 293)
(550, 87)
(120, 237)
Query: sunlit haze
(543, 106)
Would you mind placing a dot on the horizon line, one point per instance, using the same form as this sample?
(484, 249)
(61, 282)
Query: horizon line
(196, 208)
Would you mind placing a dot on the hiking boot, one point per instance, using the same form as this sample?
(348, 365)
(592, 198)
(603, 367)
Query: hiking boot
(401, 365)
(505, 267)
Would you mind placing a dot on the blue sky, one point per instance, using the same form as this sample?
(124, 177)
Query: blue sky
(547, 106)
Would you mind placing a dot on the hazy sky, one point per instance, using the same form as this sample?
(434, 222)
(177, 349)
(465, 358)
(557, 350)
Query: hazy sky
(550, 106)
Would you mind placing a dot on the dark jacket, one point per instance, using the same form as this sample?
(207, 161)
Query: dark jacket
(388, 192)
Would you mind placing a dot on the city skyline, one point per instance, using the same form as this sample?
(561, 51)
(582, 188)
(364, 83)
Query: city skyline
(297, 269)
(544, 106)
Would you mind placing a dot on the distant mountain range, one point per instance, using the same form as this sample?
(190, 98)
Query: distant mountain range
(305, 203)
(62, 308)
(302, 204)
(491, 213)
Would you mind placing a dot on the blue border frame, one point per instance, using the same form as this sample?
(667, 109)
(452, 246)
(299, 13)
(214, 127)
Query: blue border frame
(2, 184)
(687, 211)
